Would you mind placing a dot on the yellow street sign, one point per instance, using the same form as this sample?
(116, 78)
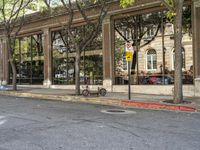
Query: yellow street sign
(129, 56)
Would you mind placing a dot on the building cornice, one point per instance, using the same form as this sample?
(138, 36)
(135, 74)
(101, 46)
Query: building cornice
(38, 21)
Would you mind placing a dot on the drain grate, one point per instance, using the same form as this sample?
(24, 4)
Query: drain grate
(118, 111)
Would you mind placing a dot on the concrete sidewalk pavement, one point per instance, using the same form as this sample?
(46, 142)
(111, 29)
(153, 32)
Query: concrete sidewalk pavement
(116, 99)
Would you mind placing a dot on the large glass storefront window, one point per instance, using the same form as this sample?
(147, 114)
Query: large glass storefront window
(29, 59)
(152, 37)
(63, 53)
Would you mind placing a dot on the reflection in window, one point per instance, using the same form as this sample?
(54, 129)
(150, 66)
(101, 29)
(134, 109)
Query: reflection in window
(29, 59)
(183, 59)
(151, 59)
(63, 53)
(91, 69)
(145, 32)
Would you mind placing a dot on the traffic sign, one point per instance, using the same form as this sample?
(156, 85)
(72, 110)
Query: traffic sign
(129, 56)
(129, 46)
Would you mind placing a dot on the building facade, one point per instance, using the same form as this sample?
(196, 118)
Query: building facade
(43, 60)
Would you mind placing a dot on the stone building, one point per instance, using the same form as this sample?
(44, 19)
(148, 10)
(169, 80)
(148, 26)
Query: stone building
(43, 61)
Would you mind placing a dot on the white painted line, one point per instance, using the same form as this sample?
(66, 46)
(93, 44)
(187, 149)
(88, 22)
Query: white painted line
(2, 120)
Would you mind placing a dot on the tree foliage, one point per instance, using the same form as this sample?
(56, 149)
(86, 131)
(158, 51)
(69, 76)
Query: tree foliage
(126, 3)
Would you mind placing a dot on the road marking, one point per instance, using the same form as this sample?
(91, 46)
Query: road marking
(2, 120)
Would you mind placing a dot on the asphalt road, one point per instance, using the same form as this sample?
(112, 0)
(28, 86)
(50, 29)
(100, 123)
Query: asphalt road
(27, 124)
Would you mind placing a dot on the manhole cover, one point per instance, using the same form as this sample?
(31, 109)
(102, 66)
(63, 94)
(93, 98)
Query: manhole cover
(118, 111)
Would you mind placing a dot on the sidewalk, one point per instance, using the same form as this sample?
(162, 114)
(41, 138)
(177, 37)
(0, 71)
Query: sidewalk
(114, 99)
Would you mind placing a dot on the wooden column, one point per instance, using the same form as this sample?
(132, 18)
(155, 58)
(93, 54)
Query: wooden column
(108, 52)
(47, 57)
(1, 61)
(4, 62)
(196, 44)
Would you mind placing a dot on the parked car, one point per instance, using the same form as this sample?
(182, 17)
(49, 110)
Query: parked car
(158, 79)
(167, 79)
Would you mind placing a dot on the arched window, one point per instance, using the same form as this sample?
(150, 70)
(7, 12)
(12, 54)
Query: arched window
(183, 58)
(151, 59)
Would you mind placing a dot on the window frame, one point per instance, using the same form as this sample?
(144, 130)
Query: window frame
(173, 60)
(151, 60)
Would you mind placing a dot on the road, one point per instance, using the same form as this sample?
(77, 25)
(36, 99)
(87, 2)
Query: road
(28, 124)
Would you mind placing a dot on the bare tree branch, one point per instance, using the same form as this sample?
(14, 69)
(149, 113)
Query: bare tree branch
(168, 6)
(82, 13)
(153, 37)
(47, 3)
(92, 35)
(121, 34)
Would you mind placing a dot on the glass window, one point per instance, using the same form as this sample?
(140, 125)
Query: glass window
(155, 30)
(151, 59)
(183, 59)
(91, 66)
(91, 69)
(29, 60)
(143, 29)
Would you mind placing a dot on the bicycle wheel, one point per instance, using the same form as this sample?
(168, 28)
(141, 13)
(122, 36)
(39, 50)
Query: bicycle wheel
(102, 92)
(85, 92)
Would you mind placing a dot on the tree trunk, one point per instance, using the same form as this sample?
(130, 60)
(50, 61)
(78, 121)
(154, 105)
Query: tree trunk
(178, 89)
(77, 72)
(13, 67)
(14, 76)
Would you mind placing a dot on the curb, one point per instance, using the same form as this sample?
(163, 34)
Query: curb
(67, 98)
(102, 101)
(158, 106)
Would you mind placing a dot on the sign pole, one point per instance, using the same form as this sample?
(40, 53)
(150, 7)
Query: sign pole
(129, 80)
(129, 58)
